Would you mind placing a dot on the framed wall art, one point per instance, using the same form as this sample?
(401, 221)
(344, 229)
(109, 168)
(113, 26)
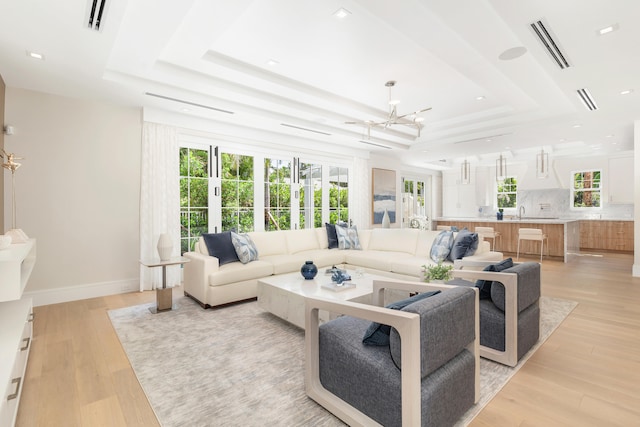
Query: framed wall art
(383, 184)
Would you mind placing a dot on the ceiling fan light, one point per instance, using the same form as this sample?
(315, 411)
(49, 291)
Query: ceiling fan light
(394, 101)
(419, 119)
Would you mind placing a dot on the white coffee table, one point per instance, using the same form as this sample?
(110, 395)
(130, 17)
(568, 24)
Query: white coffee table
(284, 294)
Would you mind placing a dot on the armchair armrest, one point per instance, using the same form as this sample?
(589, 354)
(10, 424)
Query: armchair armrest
(196, 274)
(510, 282)
(407, 325)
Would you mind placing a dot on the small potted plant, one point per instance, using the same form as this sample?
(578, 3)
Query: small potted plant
(437, 273)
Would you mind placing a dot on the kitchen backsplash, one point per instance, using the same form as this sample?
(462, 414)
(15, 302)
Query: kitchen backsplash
(554, 203)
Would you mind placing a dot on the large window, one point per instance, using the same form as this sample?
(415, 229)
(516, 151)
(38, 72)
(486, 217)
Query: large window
(277, 194)
(585, 190)
(237, 184)
(194, 196)
(338, 194)
(310, 195)
(507, 193)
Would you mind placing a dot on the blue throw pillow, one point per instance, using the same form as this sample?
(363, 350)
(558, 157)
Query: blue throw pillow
(220, 246)
(465, 244)
(332, 237)
(245, 248)
(484, 286)
(441, 246)
(378, 334)
(348, 237)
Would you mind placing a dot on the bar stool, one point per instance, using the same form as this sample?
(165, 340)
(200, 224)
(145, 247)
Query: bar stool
(489, 233)
(532, 234)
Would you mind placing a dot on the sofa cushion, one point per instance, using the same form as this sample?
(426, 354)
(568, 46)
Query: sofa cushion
(269, 242)
(376, 260)
(348, 237)
(425, 240)
(220, 246)
(245, 248)
(464, 244)
(378, 334)
(238, 272)
(394, 240)
(441, 246)
(485, 285)
(301, 240)
(332, 237)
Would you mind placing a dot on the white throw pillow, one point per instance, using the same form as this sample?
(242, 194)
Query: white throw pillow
(348, 237)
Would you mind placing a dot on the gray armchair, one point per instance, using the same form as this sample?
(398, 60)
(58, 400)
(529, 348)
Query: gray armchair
(510, 318)
(428, 375)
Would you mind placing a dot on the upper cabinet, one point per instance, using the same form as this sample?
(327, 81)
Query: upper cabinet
(620, 182)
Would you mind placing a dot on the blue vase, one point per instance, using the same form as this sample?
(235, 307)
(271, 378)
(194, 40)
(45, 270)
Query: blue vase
(309, 270)
(499, 216)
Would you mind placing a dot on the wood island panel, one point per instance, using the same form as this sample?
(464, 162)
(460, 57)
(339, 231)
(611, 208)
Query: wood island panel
(606, 235)
(508, 242)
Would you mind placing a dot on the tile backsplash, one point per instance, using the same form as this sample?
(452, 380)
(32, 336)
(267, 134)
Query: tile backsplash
(554, 203)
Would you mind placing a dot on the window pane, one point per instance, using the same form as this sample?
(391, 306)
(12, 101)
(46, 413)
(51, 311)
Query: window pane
(199, 189)
(237, 192)
(194, 195)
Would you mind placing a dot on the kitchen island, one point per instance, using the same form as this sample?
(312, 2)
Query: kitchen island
(563, 235)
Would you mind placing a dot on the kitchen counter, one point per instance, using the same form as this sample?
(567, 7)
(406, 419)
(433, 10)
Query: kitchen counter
(563, 235)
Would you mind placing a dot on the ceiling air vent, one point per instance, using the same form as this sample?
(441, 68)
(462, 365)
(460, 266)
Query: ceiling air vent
(182, 101)
(550, 44)
(95, 14)
(304, 129)
(587, 99)
(375, 145)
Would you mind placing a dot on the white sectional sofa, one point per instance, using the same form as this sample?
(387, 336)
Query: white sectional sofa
(397, 253)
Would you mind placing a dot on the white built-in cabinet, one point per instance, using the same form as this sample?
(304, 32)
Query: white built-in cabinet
(16, 325)
(620, 188)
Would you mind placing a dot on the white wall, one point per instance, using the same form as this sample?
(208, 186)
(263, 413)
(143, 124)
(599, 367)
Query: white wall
(463, 200)
(77, 190)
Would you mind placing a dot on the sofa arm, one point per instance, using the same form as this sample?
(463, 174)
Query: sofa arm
(196, 274)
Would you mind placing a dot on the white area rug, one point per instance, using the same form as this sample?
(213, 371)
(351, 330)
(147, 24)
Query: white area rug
(241, 366)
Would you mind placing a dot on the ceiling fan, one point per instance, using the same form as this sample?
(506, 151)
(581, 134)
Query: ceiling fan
(409, 119)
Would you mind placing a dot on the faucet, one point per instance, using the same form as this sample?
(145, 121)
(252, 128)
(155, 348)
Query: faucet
(520, 212)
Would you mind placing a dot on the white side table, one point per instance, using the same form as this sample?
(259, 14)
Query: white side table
(164, 297)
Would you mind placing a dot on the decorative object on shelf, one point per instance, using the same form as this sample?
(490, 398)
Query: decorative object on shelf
(5, 241)
(17, 235)
(309, 270)
(165, 247)
(500, 214)
(542, 164)
(386, 223)
(419, 222)
(409, 119)
(501, 168)
(465, 172)
(439, 273)
(340, 277)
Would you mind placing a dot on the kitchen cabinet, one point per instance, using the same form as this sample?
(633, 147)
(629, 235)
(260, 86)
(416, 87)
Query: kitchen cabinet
(606, 235)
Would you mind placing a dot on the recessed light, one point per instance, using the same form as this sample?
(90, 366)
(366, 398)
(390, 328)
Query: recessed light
(272, 62)
(626, 92)
(35, 55)
(608, 29)
(610, 135)
(489, 140)
(577, 126)
(341, 13)
(185, 110)
(480, 98)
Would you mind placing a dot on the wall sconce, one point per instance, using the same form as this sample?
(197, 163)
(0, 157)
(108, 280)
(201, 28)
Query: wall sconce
(501, 168)
(542, 164)
(465, 172)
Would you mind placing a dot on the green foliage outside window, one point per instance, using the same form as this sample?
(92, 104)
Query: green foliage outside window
(586, 189)
(277, 193)
(237, 192)
(194, 196)
(507, 193)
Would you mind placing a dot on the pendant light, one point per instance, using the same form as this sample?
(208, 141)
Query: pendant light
(501, 168)
(465, 172)
(542, 164)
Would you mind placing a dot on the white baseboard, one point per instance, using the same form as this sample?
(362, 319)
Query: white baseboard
(74, 293)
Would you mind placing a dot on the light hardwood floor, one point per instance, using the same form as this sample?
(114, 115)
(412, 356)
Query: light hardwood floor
(586, 374)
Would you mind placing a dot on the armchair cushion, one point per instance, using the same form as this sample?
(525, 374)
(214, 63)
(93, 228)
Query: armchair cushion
(485, 285)
(378, 334)
(220, 246)
(446, 327)
(528, 286)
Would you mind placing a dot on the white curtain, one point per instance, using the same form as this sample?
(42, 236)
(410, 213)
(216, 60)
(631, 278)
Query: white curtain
(361, 206)
(159, 201)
